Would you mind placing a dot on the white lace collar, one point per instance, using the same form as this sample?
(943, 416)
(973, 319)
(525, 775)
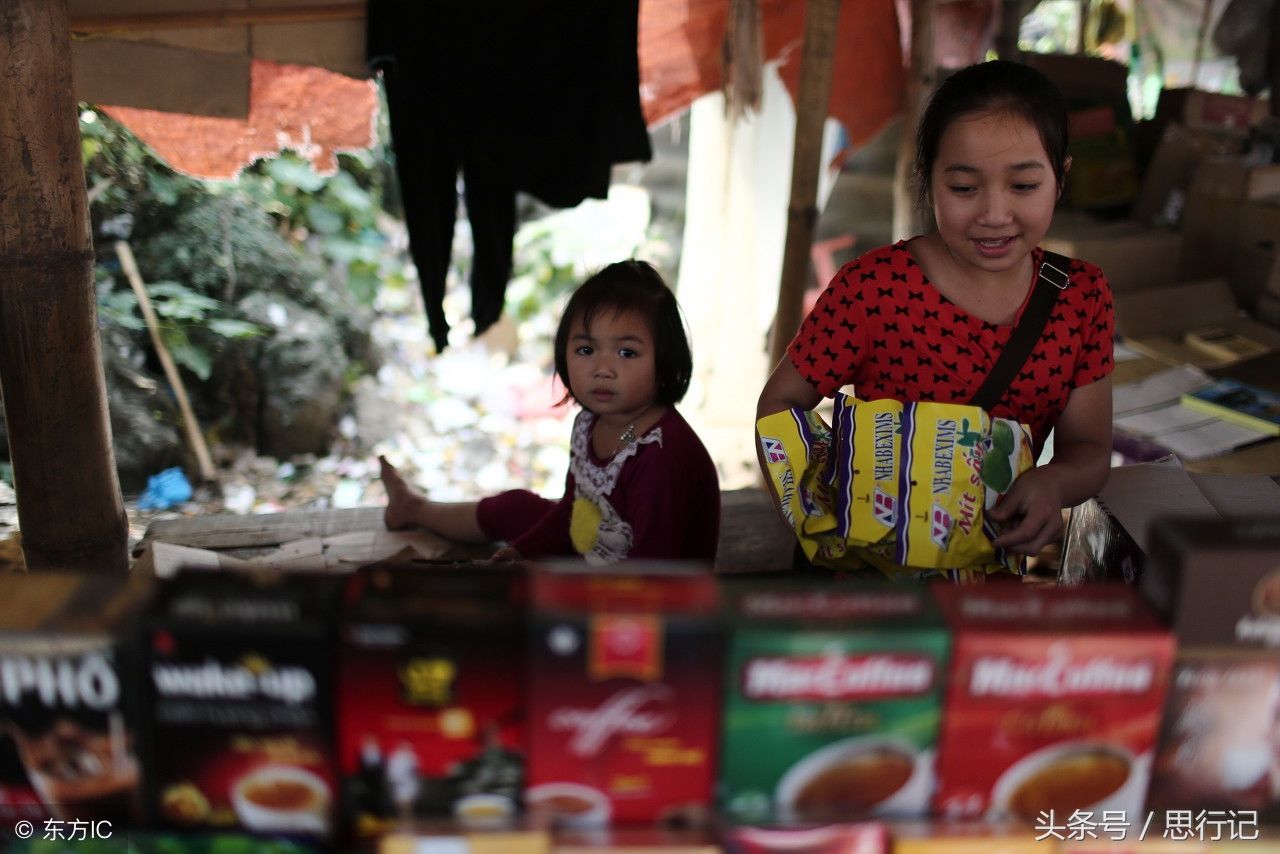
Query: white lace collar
(595, 480)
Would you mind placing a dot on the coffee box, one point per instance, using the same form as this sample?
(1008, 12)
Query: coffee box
(624, 701)
(431, 703)
(1053, 703)
(836, 838)
(68, 710)
(1219, 744)
(832, 701)
(239, 702)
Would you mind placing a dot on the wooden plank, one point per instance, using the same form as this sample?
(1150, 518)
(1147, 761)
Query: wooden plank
(228, 531)
(217, 18)
(752, 536)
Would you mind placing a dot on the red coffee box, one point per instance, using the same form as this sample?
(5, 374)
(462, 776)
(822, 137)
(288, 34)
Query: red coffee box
(624, 693)
(431, 705)
(239, 700)
(68, 710)
(1053, 704)
(1219, 745)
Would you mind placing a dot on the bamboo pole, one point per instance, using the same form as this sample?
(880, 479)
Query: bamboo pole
(190, 425)
(820, 21)
(921, 76)
(69, 504)
(217, 18)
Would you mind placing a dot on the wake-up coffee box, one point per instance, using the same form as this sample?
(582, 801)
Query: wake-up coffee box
(1054, 701)
(832, 701)
(624, 700)
(431, 694)
(1220, 742)
(68, 725)
(239, 696)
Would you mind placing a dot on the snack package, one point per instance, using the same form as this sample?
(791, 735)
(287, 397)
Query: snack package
(901, 488)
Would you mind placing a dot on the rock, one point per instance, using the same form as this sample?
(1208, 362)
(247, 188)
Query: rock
(145, 430)
(300, 371)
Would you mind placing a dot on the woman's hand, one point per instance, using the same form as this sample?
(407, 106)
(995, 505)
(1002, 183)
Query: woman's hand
(1030, 513)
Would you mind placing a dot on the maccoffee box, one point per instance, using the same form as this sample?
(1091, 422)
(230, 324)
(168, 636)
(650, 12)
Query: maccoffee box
(68, 710)
(1053, 703)
(1219, 742)
(624, 700)
(431, 703)
(832, 701)
(239, 702)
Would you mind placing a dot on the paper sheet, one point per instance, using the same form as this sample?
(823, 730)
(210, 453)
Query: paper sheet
(1158, 389)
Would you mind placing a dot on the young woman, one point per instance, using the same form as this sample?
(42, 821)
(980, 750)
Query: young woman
(925, 319)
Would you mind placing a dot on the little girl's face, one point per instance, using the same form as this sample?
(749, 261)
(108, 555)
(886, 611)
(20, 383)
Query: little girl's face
(993, 190)
(611, 365)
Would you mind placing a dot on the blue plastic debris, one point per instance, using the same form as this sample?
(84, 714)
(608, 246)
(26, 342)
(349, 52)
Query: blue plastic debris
(164, 490)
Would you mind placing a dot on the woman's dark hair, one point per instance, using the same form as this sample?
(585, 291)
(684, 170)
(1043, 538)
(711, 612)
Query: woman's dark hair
(633, 286)
(999, 86)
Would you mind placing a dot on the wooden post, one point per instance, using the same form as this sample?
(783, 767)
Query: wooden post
(920, 80)
(820, 19)
(1011, 14)
(69, 504)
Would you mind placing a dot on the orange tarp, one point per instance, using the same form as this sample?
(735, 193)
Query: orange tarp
(320, 113)
(315, 112)
(680, 50)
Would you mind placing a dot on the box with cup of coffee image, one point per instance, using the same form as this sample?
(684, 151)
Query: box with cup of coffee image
(431, 704)
(239, 696)
(832, 701)
(1220, 739)
(68, 738)
(1053, 703)
(623, 700)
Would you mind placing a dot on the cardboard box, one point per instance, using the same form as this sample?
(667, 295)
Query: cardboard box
(1053, 701)
(1163, 193)
(1085, 79)
(1198, 109)
(1133, 256)
(1107, 536)
(1211, 219)
(1257, 246)
(431, 699)
(1220, 580)
(68, 704)
(832, 701)
(1155, 321)
(239, 703)
(623, 725)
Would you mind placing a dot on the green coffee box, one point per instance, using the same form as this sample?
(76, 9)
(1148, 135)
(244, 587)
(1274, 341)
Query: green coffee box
(833, 696)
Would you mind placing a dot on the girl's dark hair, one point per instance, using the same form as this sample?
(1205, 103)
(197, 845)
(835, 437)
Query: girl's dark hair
(1000, 86)
(633, 286)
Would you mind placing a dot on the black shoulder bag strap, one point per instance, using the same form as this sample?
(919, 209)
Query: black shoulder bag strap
(1053, 277)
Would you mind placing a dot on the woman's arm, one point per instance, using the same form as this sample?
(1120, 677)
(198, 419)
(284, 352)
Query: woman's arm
(785, 389)
(1081, 461)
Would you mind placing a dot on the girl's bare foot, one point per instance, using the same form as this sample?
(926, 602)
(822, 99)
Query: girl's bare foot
(405, 508)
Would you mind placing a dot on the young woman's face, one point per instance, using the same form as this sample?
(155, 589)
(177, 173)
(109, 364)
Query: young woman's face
(993, 190)
(611, 365)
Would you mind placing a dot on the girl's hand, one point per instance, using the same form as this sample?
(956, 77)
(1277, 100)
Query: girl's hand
(506, 554)
(1030, 513)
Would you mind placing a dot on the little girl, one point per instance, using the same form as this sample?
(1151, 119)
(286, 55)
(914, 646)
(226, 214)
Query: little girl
(640, 483)
(926, 318)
